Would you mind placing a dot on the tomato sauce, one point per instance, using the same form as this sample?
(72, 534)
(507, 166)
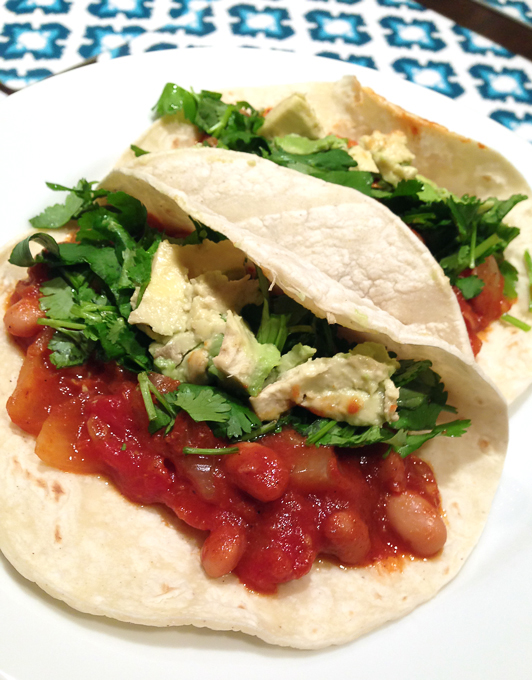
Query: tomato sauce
(489, 306)
(270, 510)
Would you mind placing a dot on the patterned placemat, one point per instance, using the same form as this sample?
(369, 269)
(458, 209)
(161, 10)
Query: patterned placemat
(521, 11)
(41, 37)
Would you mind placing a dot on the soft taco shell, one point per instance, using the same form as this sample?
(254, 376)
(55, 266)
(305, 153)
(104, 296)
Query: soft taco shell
(82, 542)
(345, 235)
(463, 166)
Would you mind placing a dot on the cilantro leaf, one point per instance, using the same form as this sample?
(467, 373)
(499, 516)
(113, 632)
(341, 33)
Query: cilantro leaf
(57, 299)
(79, 199)
(226, 416)
(69, 348)
(21, 254)
(202, 232)
(201, 403)
(470, 286)
(174, 98)
(405, 443)
(137, 150)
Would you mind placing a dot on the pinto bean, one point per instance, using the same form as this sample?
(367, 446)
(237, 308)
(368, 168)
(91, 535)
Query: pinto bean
(421, 478)
(21, 318)
(258, 470)
(417, 522)
(392, 473)
(348, 536)
(223, 549)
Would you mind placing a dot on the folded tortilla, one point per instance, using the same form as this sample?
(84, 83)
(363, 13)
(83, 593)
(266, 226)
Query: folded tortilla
(84, 543)
(461, 165)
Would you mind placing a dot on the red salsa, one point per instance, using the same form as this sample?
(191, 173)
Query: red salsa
(490, 305)
(269, 510)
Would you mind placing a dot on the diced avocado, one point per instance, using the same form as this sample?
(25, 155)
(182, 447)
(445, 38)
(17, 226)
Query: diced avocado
(293, 115)
(191, 369)
(242, 359)
(173, 302)
(187, 314)
(391, 155)
(363, 158)
(166, 300)
(296, 356)
(378, 352)
(297, 144)
(354, 387)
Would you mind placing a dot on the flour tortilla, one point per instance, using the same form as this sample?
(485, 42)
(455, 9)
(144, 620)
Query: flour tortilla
(463, 166)
(83, 543)
(346, 236)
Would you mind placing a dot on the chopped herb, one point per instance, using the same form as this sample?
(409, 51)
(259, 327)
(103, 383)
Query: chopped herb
(516, 322)
(460, 232)
(528, 265)
(138, 151)
(226, 415)
(190, 451)
(470, 286)
(94, 278)
(422, 398)
(80, 199)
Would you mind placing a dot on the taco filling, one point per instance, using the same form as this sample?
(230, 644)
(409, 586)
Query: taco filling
(465, 234)
(174, 367)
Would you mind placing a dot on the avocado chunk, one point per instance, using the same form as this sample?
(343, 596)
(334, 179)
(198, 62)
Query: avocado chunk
(242, 360)
(391, 155)
(353, 387)
(299, 145)
(293, 115)
(298, 355)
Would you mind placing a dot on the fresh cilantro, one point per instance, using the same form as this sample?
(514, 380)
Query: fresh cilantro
(137, 150)
(511, 276)
(235, 126)
(273, 327)
(87, 301)
(21, 255)
(528, 266)
(405, 443)
(175, 98)
(201, 403)
(422, 398)
(331, 159)
(516, 322)
(460, 232)
(79, 199)
(69, 348)
(58, 298)
(191, 451)
(202, 232)
(227, 416)
(470, 286)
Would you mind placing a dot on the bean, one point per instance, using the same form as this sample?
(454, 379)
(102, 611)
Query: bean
(417, 522)
(348, 536)
(392, 473)
(223, 549)
(258, 470)
(21, 318)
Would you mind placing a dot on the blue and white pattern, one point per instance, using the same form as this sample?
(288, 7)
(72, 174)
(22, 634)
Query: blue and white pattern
(522, 11)
(41, 37)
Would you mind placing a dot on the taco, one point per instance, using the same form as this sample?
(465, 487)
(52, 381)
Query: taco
(463, 200)
(297, 476)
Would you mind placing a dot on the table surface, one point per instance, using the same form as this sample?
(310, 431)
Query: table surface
(39, 38)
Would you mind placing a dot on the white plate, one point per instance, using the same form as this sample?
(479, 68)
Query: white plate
(479, 626)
